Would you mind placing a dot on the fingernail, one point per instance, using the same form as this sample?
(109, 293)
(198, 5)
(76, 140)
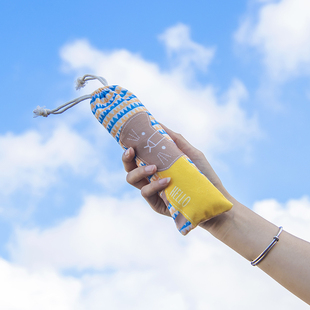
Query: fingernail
(127, 152)
(150, 168)
(164, 181)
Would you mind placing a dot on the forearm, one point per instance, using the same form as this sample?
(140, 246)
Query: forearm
(249, 234)
(240, 228)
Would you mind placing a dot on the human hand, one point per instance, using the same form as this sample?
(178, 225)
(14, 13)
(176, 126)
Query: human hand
(196, 156)
(137, 176)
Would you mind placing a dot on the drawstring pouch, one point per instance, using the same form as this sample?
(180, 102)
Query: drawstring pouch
(190, 197)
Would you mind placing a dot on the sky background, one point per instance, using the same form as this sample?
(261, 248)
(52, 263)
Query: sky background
(232, 77)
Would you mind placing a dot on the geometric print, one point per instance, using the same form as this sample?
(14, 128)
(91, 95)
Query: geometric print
(113, 106)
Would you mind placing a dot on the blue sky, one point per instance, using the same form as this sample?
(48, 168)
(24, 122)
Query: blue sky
(232, 77)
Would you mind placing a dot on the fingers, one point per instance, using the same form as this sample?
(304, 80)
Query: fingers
(137, 177)
(154, 187)
(150, 194)
(128, 159)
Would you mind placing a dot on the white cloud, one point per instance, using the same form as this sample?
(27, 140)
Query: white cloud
(280, 30)
(118, 222)
(129, 256)
(32, 159)
(294, 215)
(122, 255)
(211, 121)
(21, 289)
(185, 53)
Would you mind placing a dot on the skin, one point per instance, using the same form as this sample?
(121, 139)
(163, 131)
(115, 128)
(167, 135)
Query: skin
(241, 229)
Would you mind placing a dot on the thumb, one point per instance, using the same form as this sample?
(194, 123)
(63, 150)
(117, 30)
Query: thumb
(182, 143)
(195, 155)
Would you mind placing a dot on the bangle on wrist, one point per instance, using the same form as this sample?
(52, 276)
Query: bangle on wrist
(269, 247)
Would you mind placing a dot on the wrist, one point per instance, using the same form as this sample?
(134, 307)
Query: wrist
(220, 225)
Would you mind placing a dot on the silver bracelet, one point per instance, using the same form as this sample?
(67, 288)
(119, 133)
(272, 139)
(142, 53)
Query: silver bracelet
(269, 247)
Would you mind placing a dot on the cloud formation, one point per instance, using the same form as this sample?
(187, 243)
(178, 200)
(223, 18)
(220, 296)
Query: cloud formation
(280, 31)
(32, 160)
(115, 252)
(293, 215)
(186, 54)
(22, 289)
(214, 122)
(121, 223)
(122, 250)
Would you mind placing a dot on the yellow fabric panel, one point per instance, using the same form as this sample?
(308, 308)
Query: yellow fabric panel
(191, 193)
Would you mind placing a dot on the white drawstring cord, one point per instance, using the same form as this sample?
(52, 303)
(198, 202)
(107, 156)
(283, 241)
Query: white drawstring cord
(80, 82)
(39, 111)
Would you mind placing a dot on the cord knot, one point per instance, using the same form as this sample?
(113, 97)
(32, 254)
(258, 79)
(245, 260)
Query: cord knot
(39, 111)
(80, 83)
